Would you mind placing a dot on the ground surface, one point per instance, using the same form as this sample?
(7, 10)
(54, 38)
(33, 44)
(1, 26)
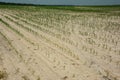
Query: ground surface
(59, 43)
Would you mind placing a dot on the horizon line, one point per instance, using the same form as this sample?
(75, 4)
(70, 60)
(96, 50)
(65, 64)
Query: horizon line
(30, 4)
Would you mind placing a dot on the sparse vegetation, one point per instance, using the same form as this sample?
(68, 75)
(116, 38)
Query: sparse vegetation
(60, 42)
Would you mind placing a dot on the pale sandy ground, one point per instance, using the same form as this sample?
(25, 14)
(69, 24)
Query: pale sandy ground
(41, 56)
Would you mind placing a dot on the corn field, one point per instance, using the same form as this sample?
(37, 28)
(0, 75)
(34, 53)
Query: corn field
(59, 43)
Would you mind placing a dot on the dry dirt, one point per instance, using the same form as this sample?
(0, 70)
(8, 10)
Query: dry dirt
(27, 53)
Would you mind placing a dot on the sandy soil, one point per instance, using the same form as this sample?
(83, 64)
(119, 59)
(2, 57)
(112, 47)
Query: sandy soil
(27, 53)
